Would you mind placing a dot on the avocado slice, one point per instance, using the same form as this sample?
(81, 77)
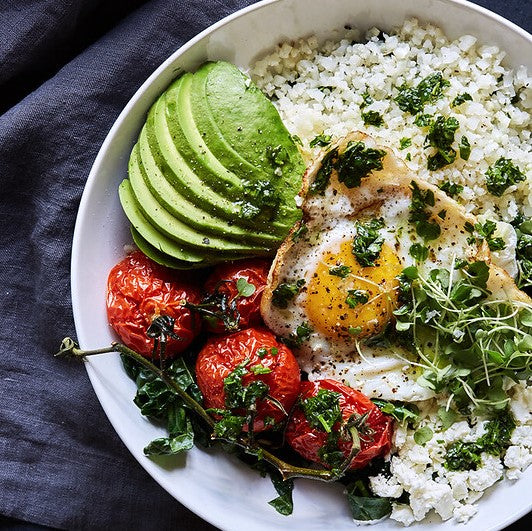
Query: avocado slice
(161, 147)
(151, 235)
(175, 229)
(187, 212)
(243, 125)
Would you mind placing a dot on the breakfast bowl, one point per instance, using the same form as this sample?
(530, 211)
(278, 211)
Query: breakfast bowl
(214, 485)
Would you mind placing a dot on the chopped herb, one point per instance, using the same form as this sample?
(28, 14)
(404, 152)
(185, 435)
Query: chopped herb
(408, 156)
(367, 243)
(245, 289)
(357, 162)
(428, 230)
(274, 351)
(451, 189)
(323, 410)
(372, 118)
(442, 214)
(523, 254)
(404, 413)
(419, 252)
(354, 330)
(342, 271)
(323, 175)
(366, 100)
(502, 175)
(285, 292)
(441, 136)
(467, 456)
(485, 232)
(423, 120)
(238, 395)
(321, 140)
(283, 504)
(461, 98)
(405, 142)
(303, 332)
(297, 139)
(423, 435)
(299, 232)
(261, 352)
(465, 148)
(356, 297)
(428, 90)
(260, 369)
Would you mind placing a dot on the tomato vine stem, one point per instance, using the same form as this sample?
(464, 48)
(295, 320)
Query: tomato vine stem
(70, 349)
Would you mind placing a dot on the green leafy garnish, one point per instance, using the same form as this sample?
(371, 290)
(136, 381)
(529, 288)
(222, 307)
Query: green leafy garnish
(367, 243)
(441, 136)
(465, 341)
(356, 297)
(428, 230)
(341, 271)
(366, 100)
(238, 395)
(405, 142)
(501, 175)
(357, 162)
(423, 120)
(245, 289)
(419, 252)
(303, 332)
(523, 230)
(403, 413)
(323, 175)
(372, 118)
(364, 505)
(320, 140)
(465, 148)
(285, 292)
(323, 410)
(428, 90)
(423, 435)
(485, 232)
(451, 189)
(461, 98)
(283, 504)
(299, 232)
(448, 417)
(467, 455)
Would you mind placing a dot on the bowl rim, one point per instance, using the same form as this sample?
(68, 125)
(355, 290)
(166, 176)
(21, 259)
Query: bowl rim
(196, 507)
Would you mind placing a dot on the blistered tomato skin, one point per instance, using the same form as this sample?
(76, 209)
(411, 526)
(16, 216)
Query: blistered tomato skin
(307, 440)
(221, 355)
(138, 290)
(224, 279)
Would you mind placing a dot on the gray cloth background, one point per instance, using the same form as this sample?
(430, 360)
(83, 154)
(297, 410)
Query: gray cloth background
(67, 68)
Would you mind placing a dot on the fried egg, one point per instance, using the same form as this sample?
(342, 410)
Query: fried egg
(337, 301)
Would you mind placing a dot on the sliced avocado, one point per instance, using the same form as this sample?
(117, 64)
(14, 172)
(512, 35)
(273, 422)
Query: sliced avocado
(157, 256)
(187, 212)
(175, 229)
(176, 170)
(150, 234)
(243, 125)
(174, 112)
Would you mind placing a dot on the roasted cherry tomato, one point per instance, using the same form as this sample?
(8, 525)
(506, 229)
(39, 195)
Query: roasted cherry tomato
(229, 368)
(223, 291)
(139, 290)
(309, 434)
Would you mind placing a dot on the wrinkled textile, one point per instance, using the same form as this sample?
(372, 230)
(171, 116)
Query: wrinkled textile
(67, 69)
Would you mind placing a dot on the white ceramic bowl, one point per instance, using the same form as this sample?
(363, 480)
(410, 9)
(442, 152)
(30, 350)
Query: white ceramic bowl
(211, 484)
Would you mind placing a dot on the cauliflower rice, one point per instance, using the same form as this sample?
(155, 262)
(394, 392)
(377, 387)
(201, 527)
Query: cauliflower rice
(318, 88)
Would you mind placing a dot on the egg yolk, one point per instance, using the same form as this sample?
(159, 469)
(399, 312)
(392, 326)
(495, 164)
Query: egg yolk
(359, 301)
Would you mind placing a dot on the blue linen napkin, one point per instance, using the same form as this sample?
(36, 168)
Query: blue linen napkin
(68, 67)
